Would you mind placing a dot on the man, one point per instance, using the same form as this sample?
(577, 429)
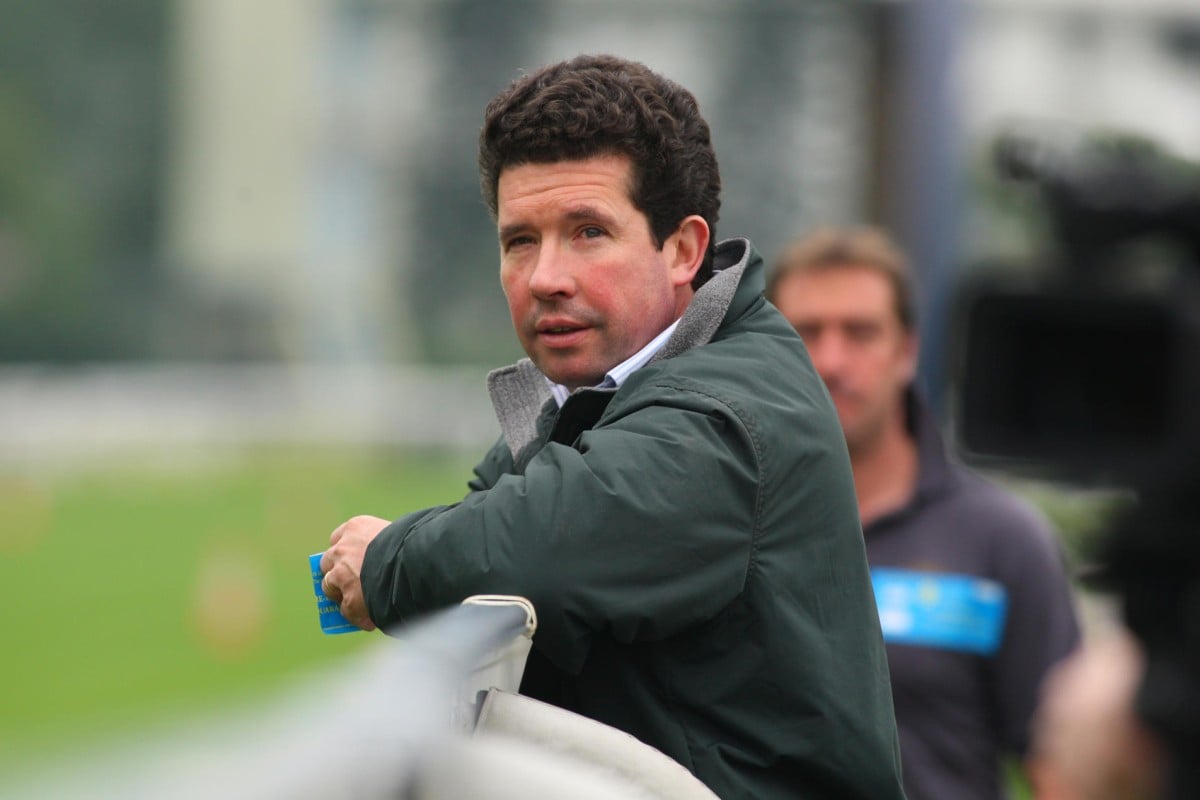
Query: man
(972, 594)
(699, 577)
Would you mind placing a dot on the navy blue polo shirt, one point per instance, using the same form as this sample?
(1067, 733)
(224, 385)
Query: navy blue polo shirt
(976, 606)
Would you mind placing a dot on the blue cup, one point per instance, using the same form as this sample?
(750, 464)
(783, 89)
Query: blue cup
(328, 613)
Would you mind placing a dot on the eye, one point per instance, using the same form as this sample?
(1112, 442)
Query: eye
(591, 232)
(862, 331)
(808, 333)
(515, 242)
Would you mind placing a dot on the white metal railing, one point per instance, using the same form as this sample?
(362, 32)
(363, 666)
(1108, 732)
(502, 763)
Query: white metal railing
(430, 714)
(361, 731)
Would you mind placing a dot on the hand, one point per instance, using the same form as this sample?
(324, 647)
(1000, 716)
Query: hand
(1088, 742)
(342, 566)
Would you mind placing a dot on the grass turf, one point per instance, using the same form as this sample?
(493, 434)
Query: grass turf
(136, 595)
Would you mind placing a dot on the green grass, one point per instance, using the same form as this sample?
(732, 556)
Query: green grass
(135, 596)
(139, 595)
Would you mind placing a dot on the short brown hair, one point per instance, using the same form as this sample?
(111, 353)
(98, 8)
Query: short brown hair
(862, 246)
(604, 105)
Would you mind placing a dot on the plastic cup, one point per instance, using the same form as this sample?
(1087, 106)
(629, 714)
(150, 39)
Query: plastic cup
(328, 614)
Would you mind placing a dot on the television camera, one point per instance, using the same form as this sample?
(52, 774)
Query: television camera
(1087, 368)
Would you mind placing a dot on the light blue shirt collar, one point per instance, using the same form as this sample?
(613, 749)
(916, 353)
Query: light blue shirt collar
(617, 375)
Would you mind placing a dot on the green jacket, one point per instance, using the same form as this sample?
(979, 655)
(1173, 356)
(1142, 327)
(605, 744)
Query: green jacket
(692, 547)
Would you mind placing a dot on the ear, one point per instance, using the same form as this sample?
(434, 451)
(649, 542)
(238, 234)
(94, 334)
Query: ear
(685, 249)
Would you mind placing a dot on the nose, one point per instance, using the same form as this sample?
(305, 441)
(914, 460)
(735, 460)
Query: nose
(551, 276)
(828, 353)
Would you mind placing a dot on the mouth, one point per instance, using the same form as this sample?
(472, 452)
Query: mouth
(560, 334)
(840, 397)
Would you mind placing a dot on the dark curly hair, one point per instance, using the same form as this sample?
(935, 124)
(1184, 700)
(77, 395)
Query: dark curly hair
(599, 105)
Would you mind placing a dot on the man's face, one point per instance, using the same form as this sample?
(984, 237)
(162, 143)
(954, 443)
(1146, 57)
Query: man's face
(585, 285)
(847, 318)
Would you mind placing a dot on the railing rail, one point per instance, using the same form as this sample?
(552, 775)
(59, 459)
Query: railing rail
(363, 730)
(431, 714)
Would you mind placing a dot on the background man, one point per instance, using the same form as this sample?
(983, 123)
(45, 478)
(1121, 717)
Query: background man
(699, 576)
(972, 593)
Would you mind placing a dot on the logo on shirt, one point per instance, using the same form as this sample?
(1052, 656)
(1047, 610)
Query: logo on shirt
(943, 610)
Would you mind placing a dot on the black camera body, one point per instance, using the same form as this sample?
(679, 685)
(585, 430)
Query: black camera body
(1090, 372)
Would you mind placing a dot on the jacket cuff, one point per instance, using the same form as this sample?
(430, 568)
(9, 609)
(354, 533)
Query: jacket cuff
(378, 574)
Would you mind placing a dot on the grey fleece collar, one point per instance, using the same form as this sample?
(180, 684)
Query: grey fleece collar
(520, 391)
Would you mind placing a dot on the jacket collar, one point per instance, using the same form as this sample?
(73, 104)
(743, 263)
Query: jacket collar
(519, 391)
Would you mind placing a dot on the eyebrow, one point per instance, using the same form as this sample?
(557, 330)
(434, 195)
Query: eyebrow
(583, 213)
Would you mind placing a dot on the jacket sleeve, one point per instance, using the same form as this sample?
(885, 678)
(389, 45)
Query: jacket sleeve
(641, 529)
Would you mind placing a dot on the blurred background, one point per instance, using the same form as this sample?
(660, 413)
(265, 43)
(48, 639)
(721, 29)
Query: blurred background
(248, 287)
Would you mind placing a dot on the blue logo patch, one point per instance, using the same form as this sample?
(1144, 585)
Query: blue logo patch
(945, 610)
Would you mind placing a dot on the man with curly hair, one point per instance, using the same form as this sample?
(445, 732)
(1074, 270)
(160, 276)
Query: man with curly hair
(671, 490)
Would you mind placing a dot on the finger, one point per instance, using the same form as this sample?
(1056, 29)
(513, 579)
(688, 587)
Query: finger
(354, 608)
(331, 589)
(338, 533)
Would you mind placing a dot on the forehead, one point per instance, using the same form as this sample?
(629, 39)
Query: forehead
(841, 290)
(599, 178)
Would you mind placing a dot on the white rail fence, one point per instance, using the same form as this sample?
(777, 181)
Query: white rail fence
(432, 715)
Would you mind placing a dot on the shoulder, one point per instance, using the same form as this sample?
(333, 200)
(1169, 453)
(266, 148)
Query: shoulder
(755, 397)
(1001, 505)
(1014, 531)
(755, 348)
(753, 369)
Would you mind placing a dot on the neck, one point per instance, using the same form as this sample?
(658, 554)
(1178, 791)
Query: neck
(885, 471)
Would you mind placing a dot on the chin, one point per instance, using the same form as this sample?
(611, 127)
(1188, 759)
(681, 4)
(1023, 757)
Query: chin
(565, 379)
(855, 437)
